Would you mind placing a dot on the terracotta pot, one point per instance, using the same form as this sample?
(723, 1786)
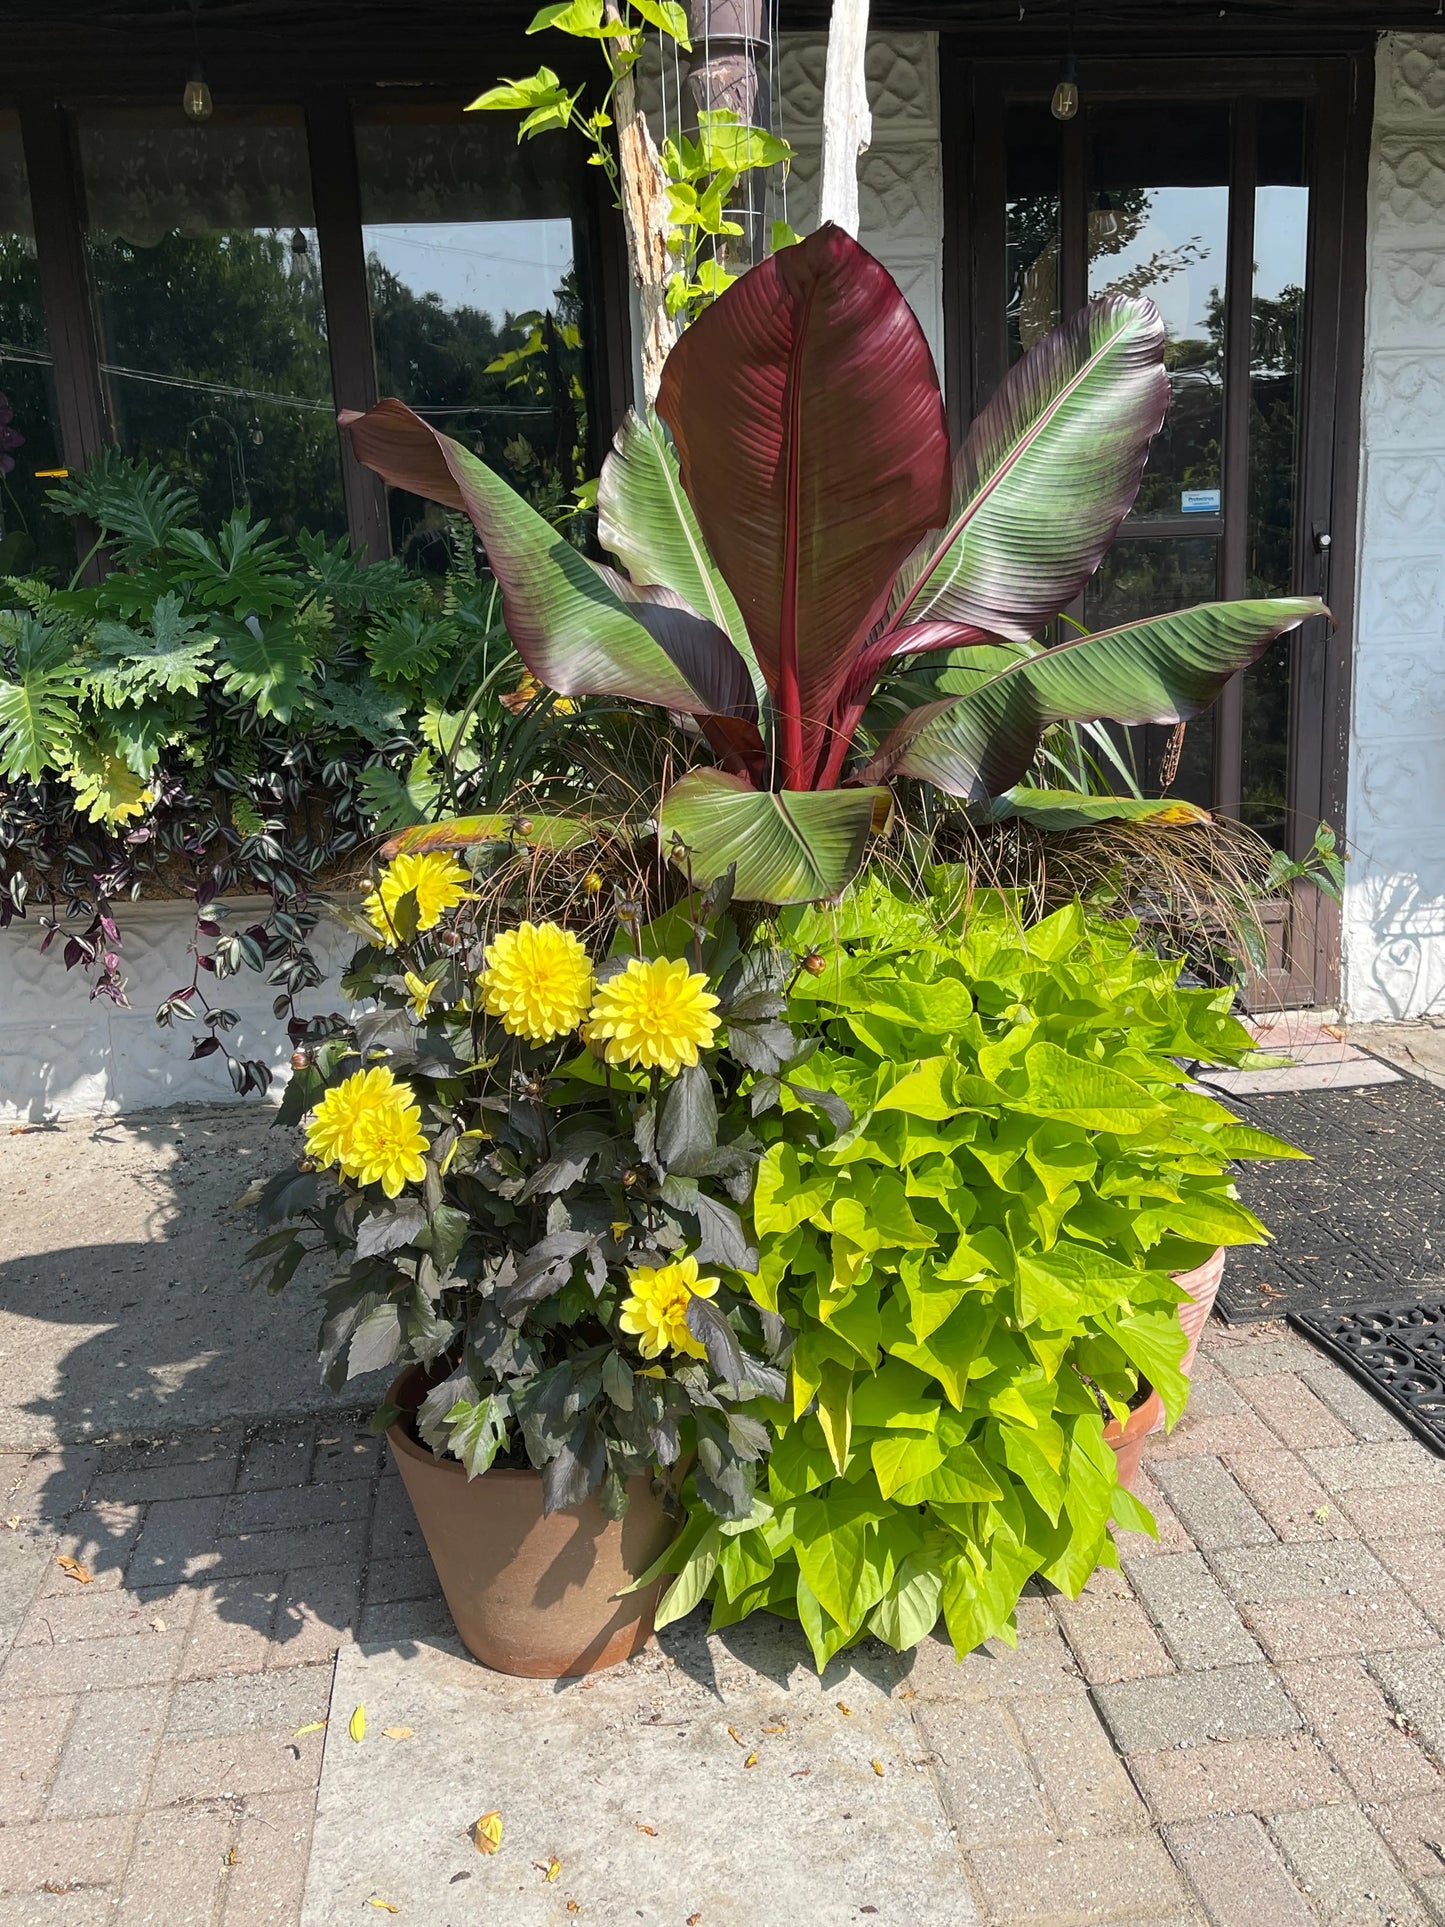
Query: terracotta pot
(1202, 1284)
(531, 1595)
(1128, 1439)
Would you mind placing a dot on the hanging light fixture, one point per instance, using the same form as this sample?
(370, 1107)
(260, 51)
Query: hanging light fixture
(1065, 103)
(196, 97)
(196, 102)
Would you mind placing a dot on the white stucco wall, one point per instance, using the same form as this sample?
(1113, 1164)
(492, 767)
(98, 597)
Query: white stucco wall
(900, 177)
(64, 1055)
(1394, 920)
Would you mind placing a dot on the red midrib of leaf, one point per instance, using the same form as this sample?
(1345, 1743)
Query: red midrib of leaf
(789, 697)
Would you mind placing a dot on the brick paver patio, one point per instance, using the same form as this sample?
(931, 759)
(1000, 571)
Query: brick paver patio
(1242, 1727)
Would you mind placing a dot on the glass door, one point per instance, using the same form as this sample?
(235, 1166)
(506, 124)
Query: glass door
(1216, 190)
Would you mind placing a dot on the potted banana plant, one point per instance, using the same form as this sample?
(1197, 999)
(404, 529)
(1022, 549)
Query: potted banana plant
(800, 558)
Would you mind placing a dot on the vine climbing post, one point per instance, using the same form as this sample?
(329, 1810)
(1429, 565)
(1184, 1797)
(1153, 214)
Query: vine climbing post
(646, 216)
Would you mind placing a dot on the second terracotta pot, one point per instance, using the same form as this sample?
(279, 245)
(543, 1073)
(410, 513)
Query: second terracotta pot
(532, 1595)
(1128, 1439)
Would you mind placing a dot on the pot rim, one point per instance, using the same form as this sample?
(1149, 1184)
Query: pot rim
(1153, 1407)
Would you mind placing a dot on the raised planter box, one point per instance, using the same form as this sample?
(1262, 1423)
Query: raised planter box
(64, 1054)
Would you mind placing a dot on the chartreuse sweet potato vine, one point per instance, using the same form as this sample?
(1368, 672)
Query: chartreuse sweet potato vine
(976, 1263)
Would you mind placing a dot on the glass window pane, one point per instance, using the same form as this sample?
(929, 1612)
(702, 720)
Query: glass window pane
(1281, 234)
(213, 330)
(1158, 226)
(29, 437)
(476, 312)
(1031, 225)
(1147, 578)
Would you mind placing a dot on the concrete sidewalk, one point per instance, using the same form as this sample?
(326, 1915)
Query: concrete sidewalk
(1243, 1727)
(122, 1307)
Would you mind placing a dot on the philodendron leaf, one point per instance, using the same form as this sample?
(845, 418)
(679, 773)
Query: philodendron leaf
(1163, 670)
(647, 522)
(570, 626)
(789, 846)
(1048, 472)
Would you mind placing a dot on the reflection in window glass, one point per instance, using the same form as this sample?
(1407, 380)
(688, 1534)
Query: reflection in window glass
(1145, 578)
(30, 536)
(1281, 234)
(476, 313)
(208, 286)
(1158, 226)
(1032, 225)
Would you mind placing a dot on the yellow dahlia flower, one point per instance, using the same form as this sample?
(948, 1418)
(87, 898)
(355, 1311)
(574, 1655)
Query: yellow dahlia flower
(440, 883)
(330, 1133)
(538, 980)
(656, 1311)
(371, 1126)
(653, 1016)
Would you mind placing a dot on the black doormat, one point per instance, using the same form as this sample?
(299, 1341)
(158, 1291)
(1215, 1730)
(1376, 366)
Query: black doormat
(1395, 1351)
(1364, 1224)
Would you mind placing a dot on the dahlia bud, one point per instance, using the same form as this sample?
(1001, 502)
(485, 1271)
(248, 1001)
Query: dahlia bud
(300, 1059)
(815, 963)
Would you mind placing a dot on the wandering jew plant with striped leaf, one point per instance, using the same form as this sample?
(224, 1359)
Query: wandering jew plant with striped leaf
(795, 538)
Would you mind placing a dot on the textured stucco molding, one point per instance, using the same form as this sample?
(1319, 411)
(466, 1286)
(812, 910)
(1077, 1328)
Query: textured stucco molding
(1394, 918)
(64, 1054)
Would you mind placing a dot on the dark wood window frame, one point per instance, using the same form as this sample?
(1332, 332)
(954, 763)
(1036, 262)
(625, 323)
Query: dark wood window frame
(1339, 90)
(57, 201)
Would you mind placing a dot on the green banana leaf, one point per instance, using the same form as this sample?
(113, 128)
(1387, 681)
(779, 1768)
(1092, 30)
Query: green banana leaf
(788, 846)
(1162, 670)
(1049, 470)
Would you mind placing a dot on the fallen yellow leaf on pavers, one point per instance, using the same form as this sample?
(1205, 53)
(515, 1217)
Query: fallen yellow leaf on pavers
(233, 1859)
(573, 1908)
(549, 1868)
(314, 1726)
(642, 1827)
(397, 1732)
(782, 1727)
(736, 1737)
(751, 1760)
(845, 1709)
(487, 1832)
(382, 1906)
(356, 1726)
(878, 1768)
(13, 1522)
(73, 1569)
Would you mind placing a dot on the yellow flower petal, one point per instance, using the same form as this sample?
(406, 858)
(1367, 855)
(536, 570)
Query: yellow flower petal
(487, 1832)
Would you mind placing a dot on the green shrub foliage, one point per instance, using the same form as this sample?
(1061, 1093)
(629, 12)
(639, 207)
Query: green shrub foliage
(974, 1257)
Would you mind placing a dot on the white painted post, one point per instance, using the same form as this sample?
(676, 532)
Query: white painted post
(847, 124)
